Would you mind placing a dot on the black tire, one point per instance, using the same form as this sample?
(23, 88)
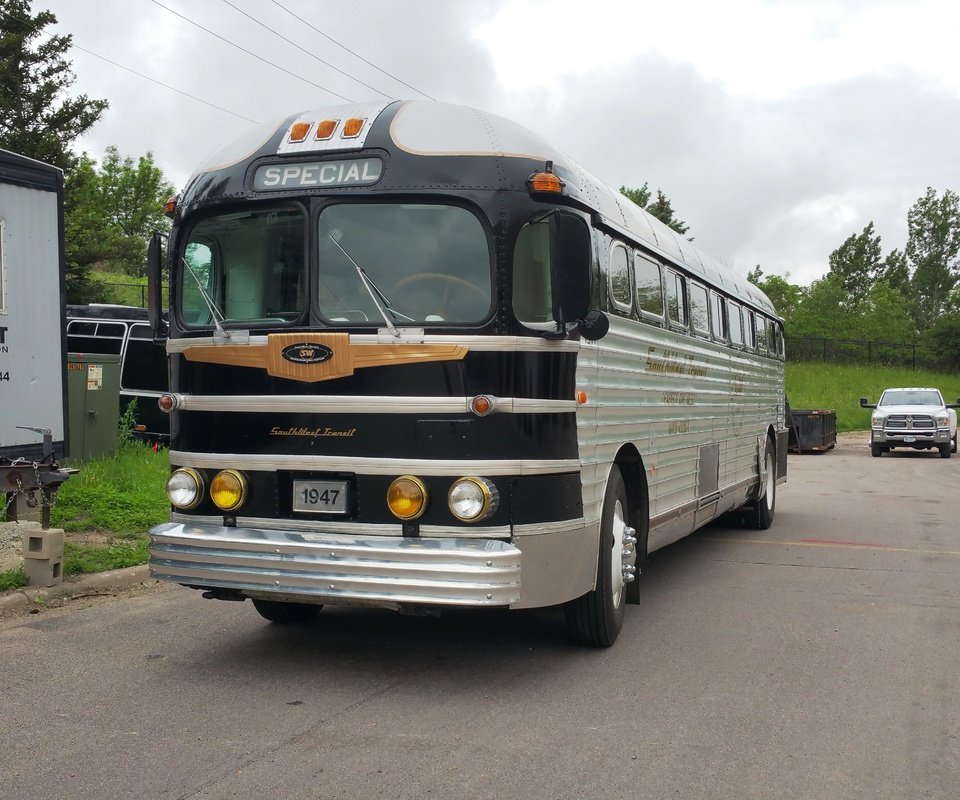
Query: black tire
(761, 511)
(286, 613)
(953, 444)
(876, 450)
(946, 450)
(596, 618)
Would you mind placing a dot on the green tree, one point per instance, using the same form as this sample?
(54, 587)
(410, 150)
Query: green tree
(944, 335)
(933, 243)
(785, 296)
(896, 273)
(881, 315)
(855, 264)
(112, 212)
(37, 118)
(661, 208)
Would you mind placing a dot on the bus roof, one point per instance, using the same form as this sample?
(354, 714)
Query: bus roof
(421, 129)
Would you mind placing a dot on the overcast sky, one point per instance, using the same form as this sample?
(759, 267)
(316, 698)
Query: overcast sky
(777, 129)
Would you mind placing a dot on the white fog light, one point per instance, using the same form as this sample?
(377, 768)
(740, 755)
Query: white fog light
(184, 488)
(473, 499)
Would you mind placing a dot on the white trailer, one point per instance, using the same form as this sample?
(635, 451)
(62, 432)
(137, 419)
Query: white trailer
(33, 422)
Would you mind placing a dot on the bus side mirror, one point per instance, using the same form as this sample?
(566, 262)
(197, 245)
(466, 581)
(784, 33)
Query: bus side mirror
(572, 278)
(155, 252)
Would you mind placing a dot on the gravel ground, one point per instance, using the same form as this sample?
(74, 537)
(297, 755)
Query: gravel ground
(11, 543)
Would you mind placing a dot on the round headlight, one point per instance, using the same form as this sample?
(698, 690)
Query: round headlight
(228, 490)
(473, 499)
(407, 497)
(184, 488)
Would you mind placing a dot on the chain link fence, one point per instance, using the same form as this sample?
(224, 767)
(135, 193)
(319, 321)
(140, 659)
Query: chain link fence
(853, 351)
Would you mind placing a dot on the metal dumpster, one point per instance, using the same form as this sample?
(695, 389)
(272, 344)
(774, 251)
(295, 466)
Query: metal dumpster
(812, 430)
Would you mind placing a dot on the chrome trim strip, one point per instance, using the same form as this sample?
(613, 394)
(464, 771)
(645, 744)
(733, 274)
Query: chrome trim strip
(505, 344)
(370, 466)
(352, 528)
(360, 404)
(307, 525)
(341, 567)
(489, 532)
(560, 526)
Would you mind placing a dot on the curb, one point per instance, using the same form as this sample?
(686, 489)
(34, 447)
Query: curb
(19, 599)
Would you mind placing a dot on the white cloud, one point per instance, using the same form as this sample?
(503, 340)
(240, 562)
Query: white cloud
(776, 128)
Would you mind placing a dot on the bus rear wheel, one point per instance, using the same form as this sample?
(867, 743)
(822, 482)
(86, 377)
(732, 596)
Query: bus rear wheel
(596, 618)
(285, 613)
(761, 511)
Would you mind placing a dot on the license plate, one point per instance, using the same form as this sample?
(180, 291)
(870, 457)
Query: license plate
(909, 439)
(320, 497)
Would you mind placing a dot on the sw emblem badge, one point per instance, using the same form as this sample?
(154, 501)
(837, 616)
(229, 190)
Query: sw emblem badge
(306, 353)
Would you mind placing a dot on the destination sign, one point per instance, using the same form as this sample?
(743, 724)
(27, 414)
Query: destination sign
(347, 172)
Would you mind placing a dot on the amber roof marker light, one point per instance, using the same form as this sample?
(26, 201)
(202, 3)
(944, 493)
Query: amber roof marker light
(546, 181)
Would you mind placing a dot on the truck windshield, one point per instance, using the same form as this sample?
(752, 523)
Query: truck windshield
(403, 263)
(910, 397)
(244, 268)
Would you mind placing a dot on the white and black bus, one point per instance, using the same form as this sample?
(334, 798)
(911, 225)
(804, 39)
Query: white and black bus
(422, 359)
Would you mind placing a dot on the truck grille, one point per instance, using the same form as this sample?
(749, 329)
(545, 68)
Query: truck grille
(915, 422)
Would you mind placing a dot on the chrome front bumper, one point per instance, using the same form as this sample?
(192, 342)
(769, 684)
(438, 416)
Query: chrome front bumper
(911, 438)
(363, 570)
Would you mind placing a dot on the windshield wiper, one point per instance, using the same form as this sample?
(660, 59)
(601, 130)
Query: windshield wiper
(215, 314)
(380, 300)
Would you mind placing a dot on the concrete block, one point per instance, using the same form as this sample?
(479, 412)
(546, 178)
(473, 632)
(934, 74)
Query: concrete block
(43, 544)
(43, 571)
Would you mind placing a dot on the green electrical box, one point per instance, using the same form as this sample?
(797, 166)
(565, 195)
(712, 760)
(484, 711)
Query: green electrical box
(93, 393)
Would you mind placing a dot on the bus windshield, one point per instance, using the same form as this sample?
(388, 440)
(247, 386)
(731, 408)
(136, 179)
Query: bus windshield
(244, 268)
(409, 263)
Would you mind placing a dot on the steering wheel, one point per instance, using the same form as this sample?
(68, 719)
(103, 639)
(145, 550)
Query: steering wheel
(451, 282)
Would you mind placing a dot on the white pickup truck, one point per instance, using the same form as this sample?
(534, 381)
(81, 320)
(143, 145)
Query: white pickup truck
(912, 417)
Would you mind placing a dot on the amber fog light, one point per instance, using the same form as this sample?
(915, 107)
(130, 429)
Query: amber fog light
(473, 499)
(184, 488)
(407, 497)
(228, 490)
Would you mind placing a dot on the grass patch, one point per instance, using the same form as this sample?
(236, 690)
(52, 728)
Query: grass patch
(80, 559)
(839, 387)
(12, 579)
(124, 495)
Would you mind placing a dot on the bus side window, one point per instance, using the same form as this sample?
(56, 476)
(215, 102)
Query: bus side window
(749, 332)
(762, 335)
(105, 338)
(532, 301)
(649, 289)
(718, 317)
(735, 324)
(699, 316)
(676, 308)
(620, 283)
(775, 338)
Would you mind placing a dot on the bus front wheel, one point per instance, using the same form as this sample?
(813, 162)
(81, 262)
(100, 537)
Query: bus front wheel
(596, 618)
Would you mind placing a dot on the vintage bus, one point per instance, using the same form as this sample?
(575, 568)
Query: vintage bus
(421, 359)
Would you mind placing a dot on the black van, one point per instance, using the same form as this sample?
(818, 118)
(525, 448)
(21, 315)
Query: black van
(125, 331)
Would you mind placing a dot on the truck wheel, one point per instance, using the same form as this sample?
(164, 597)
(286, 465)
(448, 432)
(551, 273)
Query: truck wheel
(953, 447)
(285, 613)
(760, 512)
(876, 450)
(946, 450)
(596, 618)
